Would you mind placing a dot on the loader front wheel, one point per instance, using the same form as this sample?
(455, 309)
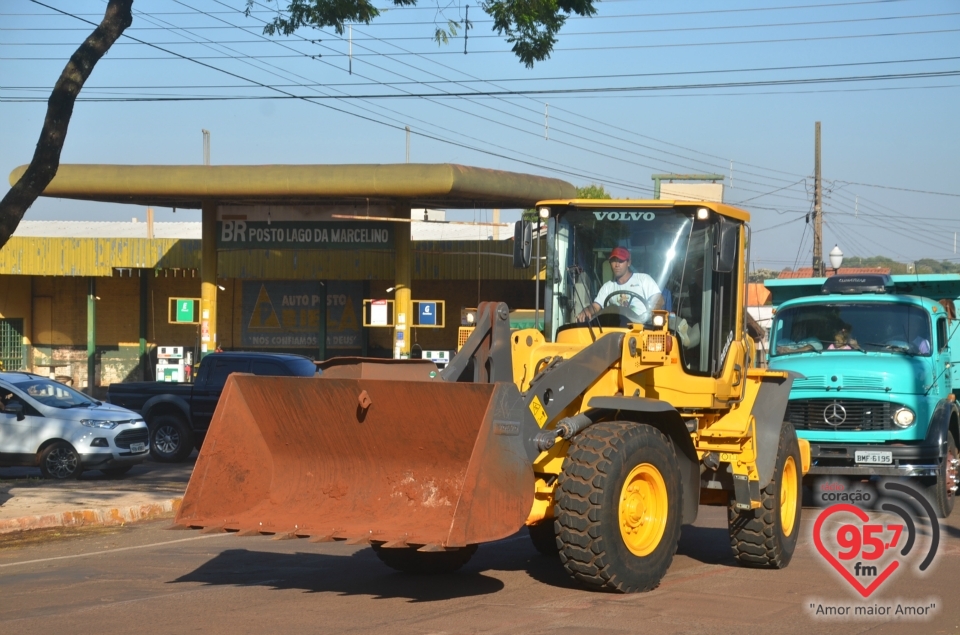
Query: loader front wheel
(767, 537)
(619, 507)
(409, 560)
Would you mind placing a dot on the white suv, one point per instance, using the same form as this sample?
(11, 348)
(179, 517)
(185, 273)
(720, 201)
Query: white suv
(46, 424)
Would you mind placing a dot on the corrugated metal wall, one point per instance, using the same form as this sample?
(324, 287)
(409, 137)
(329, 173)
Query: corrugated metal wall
(449, 260)
(95, 256)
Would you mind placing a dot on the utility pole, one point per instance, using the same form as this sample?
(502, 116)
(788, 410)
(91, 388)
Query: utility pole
(206, 146)
(817, 209)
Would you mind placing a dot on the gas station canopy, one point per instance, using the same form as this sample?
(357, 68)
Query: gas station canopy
(440, 185)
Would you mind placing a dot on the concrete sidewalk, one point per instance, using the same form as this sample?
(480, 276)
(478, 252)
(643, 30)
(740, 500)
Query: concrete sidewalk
(150, 490)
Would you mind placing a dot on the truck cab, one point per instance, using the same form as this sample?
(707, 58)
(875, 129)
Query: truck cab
(878, 390)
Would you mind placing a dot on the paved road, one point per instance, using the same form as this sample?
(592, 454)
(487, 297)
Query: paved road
(146, 579)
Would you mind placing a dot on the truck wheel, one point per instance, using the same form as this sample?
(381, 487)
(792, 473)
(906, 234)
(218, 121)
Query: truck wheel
(619, 507)
(943, 493)
(170, 439)
(60, 461)
(543, 535)
(409, 560)
(767, 537)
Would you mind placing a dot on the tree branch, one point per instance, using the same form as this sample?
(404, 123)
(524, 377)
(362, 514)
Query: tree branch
(46, 158)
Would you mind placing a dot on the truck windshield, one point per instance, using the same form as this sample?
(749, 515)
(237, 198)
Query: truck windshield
(875, 327)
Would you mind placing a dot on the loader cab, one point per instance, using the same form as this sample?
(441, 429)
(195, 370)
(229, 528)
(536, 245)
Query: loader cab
(684, 258)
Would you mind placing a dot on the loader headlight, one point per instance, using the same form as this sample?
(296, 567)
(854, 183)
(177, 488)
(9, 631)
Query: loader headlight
(95, 423)
(658, 320)
(904, 417)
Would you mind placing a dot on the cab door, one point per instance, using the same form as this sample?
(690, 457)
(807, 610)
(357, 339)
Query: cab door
(944, 383)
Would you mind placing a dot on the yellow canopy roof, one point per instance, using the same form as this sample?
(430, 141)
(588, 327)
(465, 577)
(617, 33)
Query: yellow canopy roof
(417, 184)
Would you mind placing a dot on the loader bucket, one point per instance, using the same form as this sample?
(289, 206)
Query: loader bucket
(367, 460)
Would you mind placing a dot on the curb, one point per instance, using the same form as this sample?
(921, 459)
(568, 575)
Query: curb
(92, 517)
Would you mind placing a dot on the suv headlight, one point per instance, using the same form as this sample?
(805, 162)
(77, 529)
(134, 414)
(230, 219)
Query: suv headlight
(904, 417)
(96, 423)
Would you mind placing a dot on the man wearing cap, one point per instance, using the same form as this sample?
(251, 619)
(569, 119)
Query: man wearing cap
(644, 293)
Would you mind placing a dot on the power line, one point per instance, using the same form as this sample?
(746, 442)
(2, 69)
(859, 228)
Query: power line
(405, 9)
(575, 91)
(901, 189)
(686, 29)
(563, 49)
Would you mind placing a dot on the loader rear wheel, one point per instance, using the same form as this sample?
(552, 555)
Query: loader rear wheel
(767, 537)
(619, 507)
(409, 560)
(543, 535)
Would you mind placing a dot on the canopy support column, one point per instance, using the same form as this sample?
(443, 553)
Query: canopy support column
(208, 279)
(91, 335)
(403, 304)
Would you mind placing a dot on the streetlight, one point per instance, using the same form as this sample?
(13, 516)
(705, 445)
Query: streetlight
(836, 258)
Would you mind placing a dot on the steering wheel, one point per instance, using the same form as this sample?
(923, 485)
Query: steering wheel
(626, 311)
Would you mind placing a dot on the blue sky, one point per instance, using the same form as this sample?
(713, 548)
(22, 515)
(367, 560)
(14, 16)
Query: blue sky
(898, 132)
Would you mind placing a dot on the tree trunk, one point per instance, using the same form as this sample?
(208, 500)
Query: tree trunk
(46, 159)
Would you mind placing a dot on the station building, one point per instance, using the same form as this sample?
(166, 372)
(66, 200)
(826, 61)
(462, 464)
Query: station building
(85, 300)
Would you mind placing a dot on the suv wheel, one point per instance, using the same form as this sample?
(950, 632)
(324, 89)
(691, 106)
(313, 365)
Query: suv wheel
(171, 441)
(60, 461)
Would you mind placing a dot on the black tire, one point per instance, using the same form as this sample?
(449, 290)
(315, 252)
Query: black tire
(593, 493)
(758, 537)
(171, 440)
(942, 493)
(59, 461)
(543, 535)
(409, 560)
(116, 472)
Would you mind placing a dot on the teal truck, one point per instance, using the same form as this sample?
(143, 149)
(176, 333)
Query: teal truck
(878, 357)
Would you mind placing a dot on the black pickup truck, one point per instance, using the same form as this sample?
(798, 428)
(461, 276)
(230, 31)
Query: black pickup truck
(178, 415)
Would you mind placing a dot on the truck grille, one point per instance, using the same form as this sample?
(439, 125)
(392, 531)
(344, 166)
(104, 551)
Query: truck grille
(125, 438)
(861, 415)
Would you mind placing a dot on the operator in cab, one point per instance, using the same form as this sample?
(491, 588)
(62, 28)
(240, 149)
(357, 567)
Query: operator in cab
(640, 293)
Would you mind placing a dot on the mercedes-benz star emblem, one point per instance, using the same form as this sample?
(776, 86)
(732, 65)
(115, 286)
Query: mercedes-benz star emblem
(834, 414)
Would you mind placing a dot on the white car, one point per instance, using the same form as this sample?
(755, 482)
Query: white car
(49, 425)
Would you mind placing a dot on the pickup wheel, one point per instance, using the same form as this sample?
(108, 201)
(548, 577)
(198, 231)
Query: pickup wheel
(409, 560)
(171, 440)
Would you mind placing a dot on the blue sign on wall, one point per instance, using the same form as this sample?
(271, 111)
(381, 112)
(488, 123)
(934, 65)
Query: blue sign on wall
(428, 313)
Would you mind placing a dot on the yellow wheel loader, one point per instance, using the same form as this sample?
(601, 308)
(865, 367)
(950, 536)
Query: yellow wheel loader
(602, 432)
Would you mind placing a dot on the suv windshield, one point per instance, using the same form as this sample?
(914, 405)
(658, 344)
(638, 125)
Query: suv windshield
(54, 394)
(825, 328)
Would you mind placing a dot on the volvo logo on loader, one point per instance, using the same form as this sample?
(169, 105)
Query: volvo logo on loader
(835, 414)
(624, 215)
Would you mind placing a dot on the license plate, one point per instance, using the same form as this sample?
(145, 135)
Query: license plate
(136, 448)
(877, 458)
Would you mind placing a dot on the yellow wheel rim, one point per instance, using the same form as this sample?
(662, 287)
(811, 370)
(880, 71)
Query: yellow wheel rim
(788, 496)
(643, 509)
